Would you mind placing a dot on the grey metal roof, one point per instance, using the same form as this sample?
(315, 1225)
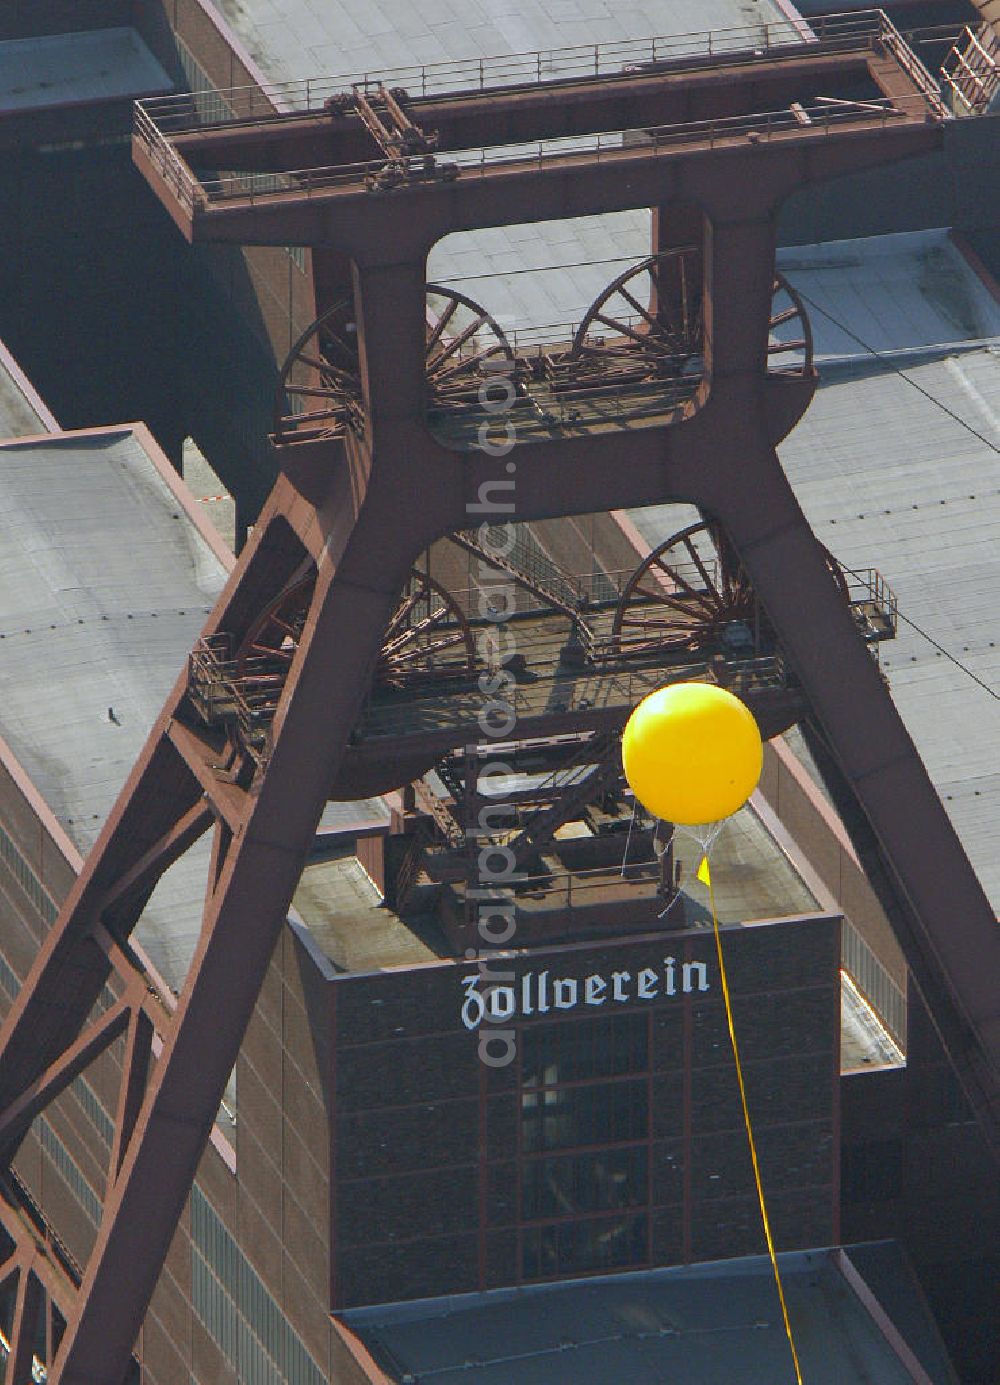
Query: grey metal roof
(104, 584)
(91, 65)
(291, 40)
(900, 293)
(707, 1324)
(294, 39)
(887, 479)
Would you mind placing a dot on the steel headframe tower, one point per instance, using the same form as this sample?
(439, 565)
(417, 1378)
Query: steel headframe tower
(358, 500)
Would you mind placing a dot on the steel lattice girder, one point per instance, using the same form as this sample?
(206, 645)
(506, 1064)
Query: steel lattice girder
(363, 509)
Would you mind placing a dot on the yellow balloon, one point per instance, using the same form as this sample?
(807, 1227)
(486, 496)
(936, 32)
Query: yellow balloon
(692, 753)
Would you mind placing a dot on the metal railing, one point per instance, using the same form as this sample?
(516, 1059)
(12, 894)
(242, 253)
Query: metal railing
(867, 587)
(241, 695)
(849, 32)
(599, 587)
(874, 982)
(158, 119)
(916, 70)
(563, 891)
(971, 71)
(590, 403)
(171, 167)
(483, 161)
(412, 714)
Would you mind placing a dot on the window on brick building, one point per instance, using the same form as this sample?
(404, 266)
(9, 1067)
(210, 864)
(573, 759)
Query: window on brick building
(584, 1146)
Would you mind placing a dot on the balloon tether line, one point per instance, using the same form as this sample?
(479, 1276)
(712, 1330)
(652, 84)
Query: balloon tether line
(635, 809)
(746, 1118)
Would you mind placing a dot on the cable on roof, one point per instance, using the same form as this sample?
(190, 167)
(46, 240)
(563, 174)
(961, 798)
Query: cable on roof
(898, 371)
(969, 429)
(538, 269)
(865, 582)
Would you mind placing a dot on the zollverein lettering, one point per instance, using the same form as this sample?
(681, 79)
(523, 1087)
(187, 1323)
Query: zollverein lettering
(539, 992)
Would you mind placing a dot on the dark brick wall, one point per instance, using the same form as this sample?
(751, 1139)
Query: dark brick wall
(425, 1197)
(21, 823)
(283, 1149)
(959, 186)
(418, 1181)
(917, 1168)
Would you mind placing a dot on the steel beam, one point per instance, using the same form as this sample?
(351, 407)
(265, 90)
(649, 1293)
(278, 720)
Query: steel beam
(243, 918)
(348, 217)
(17, 1117)
(162, 854)
(553, 110)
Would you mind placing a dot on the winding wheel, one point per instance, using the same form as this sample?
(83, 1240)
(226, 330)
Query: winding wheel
(428, 637)
(319, 394)
(692, 596)
(646, 325)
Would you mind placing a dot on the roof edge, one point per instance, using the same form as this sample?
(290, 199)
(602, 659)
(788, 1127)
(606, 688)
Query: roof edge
(179, 488)
(28, 390)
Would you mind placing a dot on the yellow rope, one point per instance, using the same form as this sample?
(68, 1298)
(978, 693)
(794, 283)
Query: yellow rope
(705, 874)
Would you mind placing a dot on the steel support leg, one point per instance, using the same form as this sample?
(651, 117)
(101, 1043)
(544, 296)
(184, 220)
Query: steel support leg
(946, 926)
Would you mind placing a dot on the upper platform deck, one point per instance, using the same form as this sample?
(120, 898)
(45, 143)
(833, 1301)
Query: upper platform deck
(243, 165)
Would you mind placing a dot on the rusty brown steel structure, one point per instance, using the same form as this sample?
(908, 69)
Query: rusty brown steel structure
(357, 507)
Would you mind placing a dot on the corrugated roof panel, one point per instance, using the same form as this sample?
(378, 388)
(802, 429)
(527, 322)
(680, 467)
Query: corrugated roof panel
(104, 584)
(897, 293)
(911, 470)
